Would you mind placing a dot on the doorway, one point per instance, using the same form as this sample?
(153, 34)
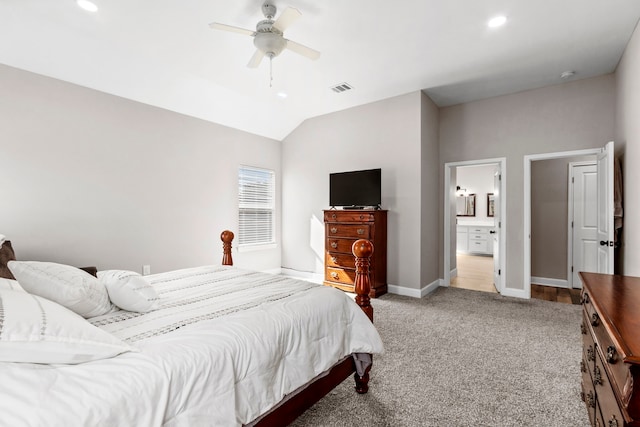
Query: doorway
(547, 243)
(493, 238)
(475, 227)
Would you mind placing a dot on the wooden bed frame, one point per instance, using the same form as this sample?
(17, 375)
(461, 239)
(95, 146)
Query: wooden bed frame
(287, 411)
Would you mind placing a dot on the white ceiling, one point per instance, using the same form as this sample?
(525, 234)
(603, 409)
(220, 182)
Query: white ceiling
(162, 53)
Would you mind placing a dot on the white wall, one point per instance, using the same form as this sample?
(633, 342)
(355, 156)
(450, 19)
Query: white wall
(88, 178)
(628, 135)
(384, 134)
(478, 180)
(570, 116)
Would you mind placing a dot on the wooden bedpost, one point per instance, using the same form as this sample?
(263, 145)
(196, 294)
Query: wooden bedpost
(226, 237)
(363, 249)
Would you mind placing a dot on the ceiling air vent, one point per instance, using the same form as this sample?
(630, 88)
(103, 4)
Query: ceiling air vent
(342, 87)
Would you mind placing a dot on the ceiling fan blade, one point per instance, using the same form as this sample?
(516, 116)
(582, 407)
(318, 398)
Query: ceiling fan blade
(288, 17)
(303, 50)
(217, 26)
(256, 59)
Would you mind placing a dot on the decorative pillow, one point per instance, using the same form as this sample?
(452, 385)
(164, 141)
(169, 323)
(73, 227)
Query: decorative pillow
(11, 285)
(36, 330)
(68, 286)
(6, 255)
(129, 290)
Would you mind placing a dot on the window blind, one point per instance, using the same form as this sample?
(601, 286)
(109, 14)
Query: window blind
(256, 194)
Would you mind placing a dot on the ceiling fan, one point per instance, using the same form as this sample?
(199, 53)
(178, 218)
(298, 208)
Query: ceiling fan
(268, 36)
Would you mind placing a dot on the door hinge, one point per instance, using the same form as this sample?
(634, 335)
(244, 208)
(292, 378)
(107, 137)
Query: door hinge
(571, 224)
(499, 224)
(573, 180)
(572, 268)
(499, 272)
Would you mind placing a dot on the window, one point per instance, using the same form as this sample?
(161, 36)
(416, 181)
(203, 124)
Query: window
(256, 203)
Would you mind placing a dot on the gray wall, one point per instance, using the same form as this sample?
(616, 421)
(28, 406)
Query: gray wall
(571, 116)
(430, 212)
(88, 178)
(387, 134)
(549, 216)
(628, 145)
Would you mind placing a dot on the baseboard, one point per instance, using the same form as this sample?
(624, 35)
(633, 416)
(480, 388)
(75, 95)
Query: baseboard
(558, 283)
(453, 273)
(304, 275)
(411, 292)
(516, 293)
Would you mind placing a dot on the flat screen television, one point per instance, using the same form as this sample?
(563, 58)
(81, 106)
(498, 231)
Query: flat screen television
(356, 189)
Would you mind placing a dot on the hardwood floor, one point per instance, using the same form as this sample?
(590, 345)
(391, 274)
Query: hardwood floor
(476, 273)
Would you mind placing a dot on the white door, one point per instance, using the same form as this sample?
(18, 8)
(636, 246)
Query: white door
(605, 210)
(495, 232)
(584, 179)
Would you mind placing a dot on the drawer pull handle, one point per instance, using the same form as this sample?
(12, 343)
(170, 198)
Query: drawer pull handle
(333, 216)
(334, 260)
(590, 354)
(334, 245)
(611, 354)
(613, 422)
(583, 328)
(334, 274)
(361, 216)
(595, 319)
(360, 231)
(585, 298)
(591, 400)
(334, 230)
(583, 367)
(597, 376)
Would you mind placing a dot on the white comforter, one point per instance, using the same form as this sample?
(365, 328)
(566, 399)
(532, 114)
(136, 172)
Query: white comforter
(203, 361)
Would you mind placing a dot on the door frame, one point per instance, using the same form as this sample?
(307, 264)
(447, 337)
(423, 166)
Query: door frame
(527, 205)
(570, 211)
(449, 194)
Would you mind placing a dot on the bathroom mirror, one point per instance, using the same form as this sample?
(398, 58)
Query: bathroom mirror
(490, 204)
(466, 205)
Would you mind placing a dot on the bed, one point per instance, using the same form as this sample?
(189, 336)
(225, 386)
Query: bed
(219, 346)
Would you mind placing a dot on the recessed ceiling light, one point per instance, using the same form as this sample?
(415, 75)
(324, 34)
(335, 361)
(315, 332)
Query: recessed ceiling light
(567, 74)
(497, 21)
(282, 95)
(87, 5)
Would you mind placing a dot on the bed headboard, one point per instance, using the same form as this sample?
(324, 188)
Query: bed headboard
(6, 255)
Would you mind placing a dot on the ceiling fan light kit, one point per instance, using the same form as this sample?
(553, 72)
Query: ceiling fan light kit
(269, 35)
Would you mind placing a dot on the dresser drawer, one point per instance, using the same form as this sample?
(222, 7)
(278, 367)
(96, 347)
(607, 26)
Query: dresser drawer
(588, 345)
(340, 275)
(338, 216)
(340, 245)
(589, 396)
(621, 375)
(359, 231)
(340, 260)
(611, 414)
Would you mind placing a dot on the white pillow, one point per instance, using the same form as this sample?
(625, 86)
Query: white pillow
(9, 284)
(36, 330)
(129, 290)
(69, 286)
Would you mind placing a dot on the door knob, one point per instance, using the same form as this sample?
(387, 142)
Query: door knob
(492, 232)
(606, 243)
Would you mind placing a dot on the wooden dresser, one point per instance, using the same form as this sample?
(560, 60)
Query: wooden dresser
(611, 349)
(342, 228)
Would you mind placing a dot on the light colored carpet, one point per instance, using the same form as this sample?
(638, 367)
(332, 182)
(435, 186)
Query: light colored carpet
(465, 358)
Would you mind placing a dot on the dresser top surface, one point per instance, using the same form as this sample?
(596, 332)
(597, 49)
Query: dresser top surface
(617, 300)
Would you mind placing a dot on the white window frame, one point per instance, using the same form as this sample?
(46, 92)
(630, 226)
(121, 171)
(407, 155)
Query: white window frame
(264, 199)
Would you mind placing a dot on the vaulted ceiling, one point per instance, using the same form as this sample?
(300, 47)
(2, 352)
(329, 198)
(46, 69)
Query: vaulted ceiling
(162, 52)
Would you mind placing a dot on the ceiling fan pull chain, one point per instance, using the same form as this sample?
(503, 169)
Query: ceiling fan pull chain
(270, 70)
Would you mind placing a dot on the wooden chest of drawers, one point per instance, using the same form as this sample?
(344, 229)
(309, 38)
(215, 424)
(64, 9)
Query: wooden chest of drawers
(342, 229)
(611, 349)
